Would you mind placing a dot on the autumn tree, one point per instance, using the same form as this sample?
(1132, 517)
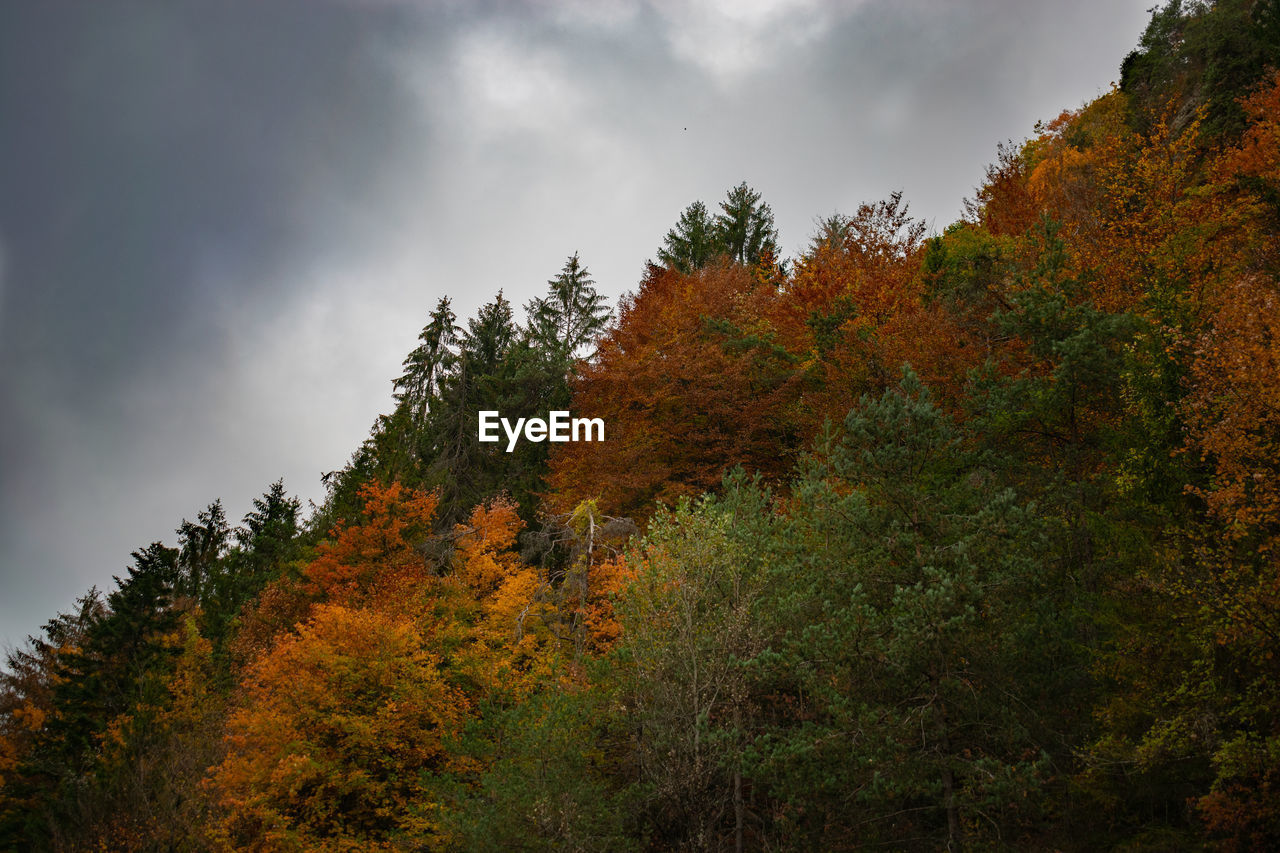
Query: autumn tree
(375, 557)
(855, 309)
(581, 556)
(339, 735)
(689, 382)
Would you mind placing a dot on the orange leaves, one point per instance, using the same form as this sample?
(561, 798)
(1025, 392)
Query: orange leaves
(1004, 204)
(502, 650)
(856, 311)
(1234, 409)
(726, 366)
(1258, 154)
(485, 559)
(342, 721)
(1145, 230)
(340, 729)
(688, 382)
(600, 619)
(10, 753)
(375, 558)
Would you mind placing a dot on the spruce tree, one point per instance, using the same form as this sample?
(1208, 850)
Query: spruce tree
(743, 232)
(744, 227)
(427, 365)
(693, 243)
(571, 315)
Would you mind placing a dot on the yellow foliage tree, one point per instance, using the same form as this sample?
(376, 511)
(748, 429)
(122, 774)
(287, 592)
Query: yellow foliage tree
(339, 734)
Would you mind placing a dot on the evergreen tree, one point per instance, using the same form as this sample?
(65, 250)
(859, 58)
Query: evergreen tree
(569, 317)
(270, 528)
(266, 543)
(455, 462)
(90, 758)
(429, 363)
(202, 544)
(1202, 54)
(693, 243)
(744, 227)
(916, 638)
(743, 231)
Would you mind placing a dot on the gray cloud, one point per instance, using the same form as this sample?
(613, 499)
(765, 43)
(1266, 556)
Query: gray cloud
(223, 223)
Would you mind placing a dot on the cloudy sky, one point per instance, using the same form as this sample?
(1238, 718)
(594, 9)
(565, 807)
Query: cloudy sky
(223, 223)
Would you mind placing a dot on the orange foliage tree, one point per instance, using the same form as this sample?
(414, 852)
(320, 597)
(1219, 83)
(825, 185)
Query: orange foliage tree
(737, 365)
(856, 310)
(688, 382)
(341, 730)
(499, 604)
(375, 559)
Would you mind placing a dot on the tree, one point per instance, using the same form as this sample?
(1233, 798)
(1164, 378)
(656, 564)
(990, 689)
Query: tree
(693, 243)
(375, 558)
(914, 647)
(426, 367)
(855, 309)
(744, 227)
(689, 628)
(569, 317)
(266, 543)
(92, 756)
(690, 382)
(463, 470)
(28, 682)
(270, 529)
(201, 546)
(548, 783)
(1203, 54)
(743, 231)
(338, 739)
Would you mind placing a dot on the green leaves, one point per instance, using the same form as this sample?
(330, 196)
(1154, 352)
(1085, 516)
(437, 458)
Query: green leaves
(570, 317)
(898, 600)
(743, 232)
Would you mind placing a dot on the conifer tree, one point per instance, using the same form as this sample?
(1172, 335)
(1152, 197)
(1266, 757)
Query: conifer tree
(693, 243)
(102, 715)
(201, 545)
(429, 363)
(464, 470)
(569, 317)
(743, 231)
(744, 227)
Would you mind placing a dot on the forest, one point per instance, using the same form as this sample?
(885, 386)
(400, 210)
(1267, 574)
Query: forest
(962, 541)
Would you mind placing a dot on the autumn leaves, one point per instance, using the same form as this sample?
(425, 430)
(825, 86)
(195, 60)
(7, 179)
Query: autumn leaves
(914, 542)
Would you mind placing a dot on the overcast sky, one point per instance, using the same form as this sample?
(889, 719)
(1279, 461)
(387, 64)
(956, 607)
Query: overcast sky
(223, 223)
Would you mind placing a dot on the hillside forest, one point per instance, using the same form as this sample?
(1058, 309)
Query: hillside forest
(914, 541)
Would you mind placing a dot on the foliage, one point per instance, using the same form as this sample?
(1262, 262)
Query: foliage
(940, 541)
(743, 232)
(341, 730)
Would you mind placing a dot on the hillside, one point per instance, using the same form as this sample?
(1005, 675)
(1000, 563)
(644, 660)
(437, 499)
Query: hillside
(913, 541)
